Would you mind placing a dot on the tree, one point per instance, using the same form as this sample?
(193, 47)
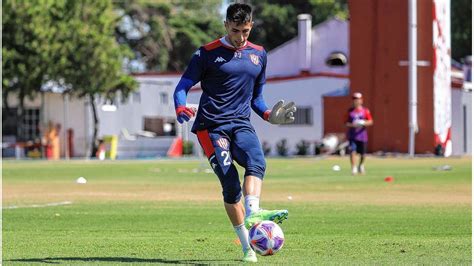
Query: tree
(276, 23)
(94, 58)
(461, 28)
(26, 50)
(164, 34)
(69, 43)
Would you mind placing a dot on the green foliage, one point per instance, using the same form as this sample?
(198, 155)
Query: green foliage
(27, 46)
(461, 28)
(70, 43)
(302, 147)
(188, 147)
(276, 23)
(282, 147)
(266, 147)
(164, 34)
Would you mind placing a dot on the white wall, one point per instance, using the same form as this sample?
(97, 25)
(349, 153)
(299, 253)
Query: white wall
(130, 115)
(54, 112)
(461, 99)
(304, 92)
(327, 37)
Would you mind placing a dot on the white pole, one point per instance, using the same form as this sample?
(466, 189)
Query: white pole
(304, 41)
(65, 126)
(412, 76)
(86, 128)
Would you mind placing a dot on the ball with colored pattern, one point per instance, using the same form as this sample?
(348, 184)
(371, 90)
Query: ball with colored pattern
(266, 238)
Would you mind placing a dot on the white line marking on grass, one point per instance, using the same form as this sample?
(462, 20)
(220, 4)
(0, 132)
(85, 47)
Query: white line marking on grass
(52, 204)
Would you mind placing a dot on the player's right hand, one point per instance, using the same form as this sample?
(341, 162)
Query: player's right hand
(183, 113)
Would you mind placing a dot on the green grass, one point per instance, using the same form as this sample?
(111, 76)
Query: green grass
(170, 212)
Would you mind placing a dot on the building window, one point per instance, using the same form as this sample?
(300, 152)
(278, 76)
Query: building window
(303, 116)
(29, 128)
(160, 126)
(9, 122)
(164, 98)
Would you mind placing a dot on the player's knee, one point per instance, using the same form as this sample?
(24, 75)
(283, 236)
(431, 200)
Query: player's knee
(232, 193)
(230, 183)
(257, 170)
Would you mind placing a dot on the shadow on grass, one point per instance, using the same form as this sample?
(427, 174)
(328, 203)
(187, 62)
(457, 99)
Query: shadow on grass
(59, 260)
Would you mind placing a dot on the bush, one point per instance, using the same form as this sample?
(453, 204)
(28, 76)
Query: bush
(266, 148)
(188, 147)
(318, 147)
(302, 147)
(282, 147)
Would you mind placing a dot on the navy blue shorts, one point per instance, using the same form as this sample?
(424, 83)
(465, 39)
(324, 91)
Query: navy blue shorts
(357, 146)
(226, 143)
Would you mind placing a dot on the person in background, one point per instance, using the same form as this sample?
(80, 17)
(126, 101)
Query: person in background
(357, 121)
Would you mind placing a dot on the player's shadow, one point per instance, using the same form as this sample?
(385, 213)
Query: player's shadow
(59, 260)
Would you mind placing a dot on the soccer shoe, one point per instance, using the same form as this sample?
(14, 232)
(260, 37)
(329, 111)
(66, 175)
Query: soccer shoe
(249, 256)
(362, 169)
(276, 216)
(354, 171)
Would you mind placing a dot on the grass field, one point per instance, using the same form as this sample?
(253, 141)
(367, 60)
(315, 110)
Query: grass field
(170, 212)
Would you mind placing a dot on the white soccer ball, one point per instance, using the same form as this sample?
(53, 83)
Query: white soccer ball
(359, 122)
(81, 180)
(266, 238)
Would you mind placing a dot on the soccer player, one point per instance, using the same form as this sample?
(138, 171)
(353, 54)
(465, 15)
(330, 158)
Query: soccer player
(358, 119)
(232, 74)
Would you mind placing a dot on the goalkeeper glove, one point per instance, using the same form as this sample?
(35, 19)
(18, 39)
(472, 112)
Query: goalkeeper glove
(282, 114)
(183, 113)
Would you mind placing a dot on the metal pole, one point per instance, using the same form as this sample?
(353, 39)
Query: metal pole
(412, 76)
(66, 108)
(87, 134)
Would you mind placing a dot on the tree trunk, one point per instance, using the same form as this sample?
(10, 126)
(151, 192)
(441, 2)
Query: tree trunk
(95, 141)
(20, 115)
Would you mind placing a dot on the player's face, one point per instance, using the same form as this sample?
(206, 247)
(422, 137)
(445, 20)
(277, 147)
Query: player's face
(238, 34)
(357, 102)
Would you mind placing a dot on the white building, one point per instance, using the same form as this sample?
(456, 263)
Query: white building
(135, 120)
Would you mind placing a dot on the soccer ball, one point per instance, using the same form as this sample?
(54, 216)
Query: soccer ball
(266, 238)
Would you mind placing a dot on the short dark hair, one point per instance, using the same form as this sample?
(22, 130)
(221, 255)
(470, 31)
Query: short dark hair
(239, 13)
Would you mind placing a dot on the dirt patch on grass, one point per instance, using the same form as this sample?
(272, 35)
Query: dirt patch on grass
(17, 194)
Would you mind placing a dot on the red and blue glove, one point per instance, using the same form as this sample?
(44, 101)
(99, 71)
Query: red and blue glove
(183, 113)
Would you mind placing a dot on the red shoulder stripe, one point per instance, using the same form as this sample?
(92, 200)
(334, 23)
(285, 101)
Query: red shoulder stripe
(213, 45)
(258, 47)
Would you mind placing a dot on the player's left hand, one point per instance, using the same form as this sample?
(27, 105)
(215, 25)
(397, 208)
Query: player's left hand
(183, 113)
(282, 114)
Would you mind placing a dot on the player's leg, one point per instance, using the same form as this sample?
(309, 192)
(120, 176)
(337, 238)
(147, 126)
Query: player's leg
(353, 155)
(361, 149)
(216, 147)
(252, 189)
(247, 151)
